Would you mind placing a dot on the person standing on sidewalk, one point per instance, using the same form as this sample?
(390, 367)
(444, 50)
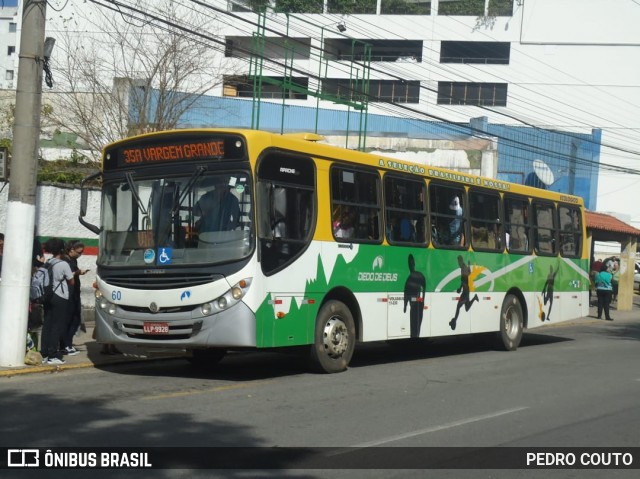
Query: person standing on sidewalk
(56, 312)
(74, 251)
(604, 290)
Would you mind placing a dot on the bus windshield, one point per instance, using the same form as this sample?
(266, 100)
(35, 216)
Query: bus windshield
(198, 218)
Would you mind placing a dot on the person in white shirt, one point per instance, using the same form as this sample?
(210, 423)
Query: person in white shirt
(56, 312)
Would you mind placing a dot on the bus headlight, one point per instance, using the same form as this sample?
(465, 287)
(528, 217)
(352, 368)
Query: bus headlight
(103, 303)
(206, 309)
(233, 296)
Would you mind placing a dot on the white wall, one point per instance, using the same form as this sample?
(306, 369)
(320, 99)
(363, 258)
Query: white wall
(57, 212)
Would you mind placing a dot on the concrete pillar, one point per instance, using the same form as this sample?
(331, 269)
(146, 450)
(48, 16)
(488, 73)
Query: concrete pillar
(627, 269)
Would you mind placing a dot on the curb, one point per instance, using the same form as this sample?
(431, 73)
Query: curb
(23, 370)
(44, 369)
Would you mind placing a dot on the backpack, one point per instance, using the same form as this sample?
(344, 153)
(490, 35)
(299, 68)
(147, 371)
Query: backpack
(42, 288)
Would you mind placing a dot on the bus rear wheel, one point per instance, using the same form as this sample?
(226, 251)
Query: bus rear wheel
(335, 338)
(206, 358)
(511, 324)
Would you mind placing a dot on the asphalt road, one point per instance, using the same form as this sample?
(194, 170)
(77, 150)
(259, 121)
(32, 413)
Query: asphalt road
(572, 385)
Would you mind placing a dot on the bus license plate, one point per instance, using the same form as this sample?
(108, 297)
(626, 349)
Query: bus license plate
(155, 328)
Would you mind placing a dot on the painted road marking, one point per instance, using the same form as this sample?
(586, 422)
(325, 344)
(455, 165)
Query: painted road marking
(442, 427)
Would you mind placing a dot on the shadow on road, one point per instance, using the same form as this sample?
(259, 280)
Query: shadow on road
(259, 365)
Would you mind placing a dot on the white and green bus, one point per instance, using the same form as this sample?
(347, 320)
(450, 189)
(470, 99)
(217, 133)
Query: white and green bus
(213, 240)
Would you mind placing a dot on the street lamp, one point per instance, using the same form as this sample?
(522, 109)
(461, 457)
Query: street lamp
(48, 49)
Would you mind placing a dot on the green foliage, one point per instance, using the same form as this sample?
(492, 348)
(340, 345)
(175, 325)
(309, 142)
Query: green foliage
(69, 171)
(501, 8)
(298, 6)
(352, 7)
(404, 7)
(258, 5)
(462, 7)
(476, 7)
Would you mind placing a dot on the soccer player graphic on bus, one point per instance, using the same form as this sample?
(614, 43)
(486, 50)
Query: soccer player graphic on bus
(414, 289)
(466, 286)
(547, 294)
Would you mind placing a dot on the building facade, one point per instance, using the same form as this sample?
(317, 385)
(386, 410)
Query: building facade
(551, 81)
(9, 22)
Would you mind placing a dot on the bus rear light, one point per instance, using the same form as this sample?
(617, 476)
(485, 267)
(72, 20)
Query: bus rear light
(280, 314)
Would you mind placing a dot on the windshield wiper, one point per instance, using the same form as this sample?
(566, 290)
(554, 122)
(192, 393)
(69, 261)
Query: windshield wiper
(132, 187)
(187, 189)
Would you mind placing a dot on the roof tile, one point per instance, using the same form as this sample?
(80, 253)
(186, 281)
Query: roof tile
(603, 222)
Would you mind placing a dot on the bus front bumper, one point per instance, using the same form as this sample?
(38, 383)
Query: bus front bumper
(233, 328)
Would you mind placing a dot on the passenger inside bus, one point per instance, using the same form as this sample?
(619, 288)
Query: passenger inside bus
(344, 222)
(218, 209)
(456, 233)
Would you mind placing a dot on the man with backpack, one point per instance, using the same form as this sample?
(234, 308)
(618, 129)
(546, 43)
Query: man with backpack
(56, 304)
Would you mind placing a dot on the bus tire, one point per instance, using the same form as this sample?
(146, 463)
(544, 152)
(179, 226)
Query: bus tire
(206, 358)
(335, 338)
(511, 324)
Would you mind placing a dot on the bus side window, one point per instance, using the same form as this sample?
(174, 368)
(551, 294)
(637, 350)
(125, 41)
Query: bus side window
(448, 215)
(544, 231)
(517, 224)
(286, 205)
(355, 197)
(570, 231)
(404, 209)
(279, 212)
(486, 225)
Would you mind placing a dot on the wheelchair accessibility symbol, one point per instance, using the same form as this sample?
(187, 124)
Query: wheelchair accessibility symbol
(165, 255)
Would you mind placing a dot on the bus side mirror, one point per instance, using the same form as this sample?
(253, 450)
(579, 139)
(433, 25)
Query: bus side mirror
(84, 195)
(84, 199)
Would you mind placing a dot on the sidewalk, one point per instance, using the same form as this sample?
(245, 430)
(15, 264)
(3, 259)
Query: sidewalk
(90, 356)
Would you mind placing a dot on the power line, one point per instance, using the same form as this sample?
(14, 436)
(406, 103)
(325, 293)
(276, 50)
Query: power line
(390, 106)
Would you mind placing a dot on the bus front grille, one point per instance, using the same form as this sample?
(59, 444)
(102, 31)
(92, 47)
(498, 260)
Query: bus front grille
(164, 281)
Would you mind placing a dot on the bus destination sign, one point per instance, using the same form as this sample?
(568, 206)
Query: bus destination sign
(184, 151)
(143, 153)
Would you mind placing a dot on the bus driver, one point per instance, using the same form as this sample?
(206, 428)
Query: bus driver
(218, 208)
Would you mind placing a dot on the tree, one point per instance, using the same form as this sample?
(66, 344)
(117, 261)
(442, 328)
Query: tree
(126, 72)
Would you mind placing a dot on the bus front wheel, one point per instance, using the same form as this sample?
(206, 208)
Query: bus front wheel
(511, 324)
(206, 358)
(335, 338)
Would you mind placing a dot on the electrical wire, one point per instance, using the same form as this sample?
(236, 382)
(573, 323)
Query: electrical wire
(187, 30)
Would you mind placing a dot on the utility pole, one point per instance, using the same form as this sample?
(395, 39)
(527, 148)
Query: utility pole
(21, 205)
